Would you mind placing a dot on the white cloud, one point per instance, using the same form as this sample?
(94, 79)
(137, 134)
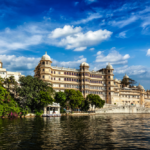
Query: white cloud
(113, 57)
(90, 18)
(122, 34)
(92, 49)
(131, 70)
(66, 30)
(26, 65)
(83, 40)
(80, 49)
(148, 52)
(122, 23)
(71, 64)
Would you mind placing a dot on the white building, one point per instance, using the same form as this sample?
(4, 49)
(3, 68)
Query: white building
(6, 74)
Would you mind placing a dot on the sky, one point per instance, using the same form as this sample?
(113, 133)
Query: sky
(75, 31)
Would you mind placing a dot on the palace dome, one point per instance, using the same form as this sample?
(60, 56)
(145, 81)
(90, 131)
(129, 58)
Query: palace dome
(84, 64)
(109, 66)
(140, 87)
(126, 76)
(45, 57)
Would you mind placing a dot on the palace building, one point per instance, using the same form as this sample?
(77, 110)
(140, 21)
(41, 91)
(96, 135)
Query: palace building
(99, 82)
(5, 74)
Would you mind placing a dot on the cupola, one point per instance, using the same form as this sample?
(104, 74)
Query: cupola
(46, 57)
(109, 66)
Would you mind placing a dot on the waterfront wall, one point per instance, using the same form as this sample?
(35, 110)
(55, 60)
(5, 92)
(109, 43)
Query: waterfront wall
(123, 109)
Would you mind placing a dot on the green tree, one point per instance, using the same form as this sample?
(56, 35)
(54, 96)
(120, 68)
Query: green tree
(1, 81)
(8, 106)
(9, 82)
(95, 100)
(128, 81)
(31, 92)
(60, 97)
(74, 98)
(85, 105)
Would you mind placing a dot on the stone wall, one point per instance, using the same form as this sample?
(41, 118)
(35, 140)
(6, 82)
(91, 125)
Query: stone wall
(124, 109)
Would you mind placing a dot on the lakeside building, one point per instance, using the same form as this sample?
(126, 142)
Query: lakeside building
(6, 74)
(99, 82)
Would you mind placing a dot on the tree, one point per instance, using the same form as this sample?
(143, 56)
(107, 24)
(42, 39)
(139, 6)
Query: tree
(128, 81)
(74, 98)
(33, 92)
(1, 81)
(60, 97)
(95, 100)
(8, 106)
(85, 105)
(9, 81)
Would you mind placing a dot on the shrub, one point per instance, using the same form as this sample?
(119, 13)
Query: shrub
(38, 113)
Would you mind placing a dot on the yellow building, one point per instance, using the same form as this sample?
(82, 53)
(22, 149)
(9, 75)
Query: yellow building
(99, 82)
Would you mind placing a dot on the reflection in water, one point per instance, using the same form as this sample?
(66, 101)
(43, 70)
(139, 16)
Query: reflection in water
(125, 131)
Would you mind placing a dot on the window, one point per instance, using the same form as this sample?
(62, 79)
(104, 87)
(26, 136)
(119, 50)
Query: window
(54, 78)
(109, 77)
(43, 76)
(47, 62)
(59, 79)
(43, 69)
(58, 72)
(51, 71)
(54, 72)
(43, 62)
(108, 82)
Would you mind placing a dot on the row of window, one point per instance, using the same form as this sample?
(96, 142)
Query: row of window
(82, 80)
(129, 101)
(75, 74)
(130, 96)
(93, 92)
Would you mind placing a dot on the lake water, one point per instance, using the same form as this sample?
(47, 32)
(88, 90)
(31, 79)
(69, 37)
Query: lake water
(116, 131)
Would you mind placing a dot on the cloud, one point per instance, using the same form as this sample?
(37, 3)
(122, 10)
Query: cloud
(122, 34)
(90, 18)
(85, 39)
(80, 49)
(66, 30)
(148, 52)
(20, 38)
(71, 64)
(114, 57)
(26, 65)
(13, 63)
(131, 70)
(92, 49)
(125, 22)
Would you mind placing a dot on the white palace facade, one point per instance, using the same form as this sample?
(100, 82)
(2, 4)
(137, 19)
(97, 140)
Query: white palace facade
(6, 74)
(99, 82)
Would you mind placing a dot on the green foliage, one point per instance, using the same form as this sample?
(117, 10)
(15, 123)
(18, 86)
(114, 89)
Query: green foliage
(10, 81)
(95, 100)
(38, 112)
(60, 97)
(34, 92)
(1, 81)
(128, 81)
(62, 110)
(8, 105)
(74, 98)
(85, 105)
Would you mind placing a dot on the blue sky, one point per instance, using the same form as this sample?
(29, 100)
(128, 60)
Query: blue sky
(73, 31)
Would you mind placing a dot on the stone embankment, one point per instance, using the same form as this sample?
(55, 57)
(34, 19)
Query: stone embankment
(123, 109)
